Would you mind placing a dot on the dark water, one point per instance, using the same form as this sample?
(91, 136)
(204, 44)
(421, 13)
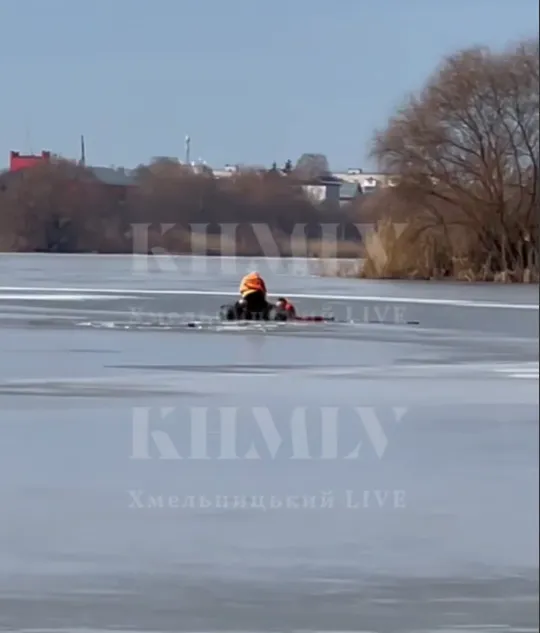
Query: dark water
(370, 476)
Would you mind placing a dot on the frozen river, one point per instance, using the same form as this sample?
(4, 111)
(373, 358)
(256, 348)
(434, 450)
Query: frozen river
(379, 475)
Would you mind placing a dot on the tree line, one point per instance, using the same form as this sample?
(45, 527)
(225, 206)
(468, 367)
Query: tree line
(62, 207)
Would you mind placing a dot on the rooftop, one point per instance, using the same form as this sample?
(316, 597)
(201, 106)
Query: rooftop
(118, 177)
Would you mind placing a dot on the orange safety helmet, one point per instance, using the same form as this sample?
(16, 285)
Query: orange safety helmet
(252, 282)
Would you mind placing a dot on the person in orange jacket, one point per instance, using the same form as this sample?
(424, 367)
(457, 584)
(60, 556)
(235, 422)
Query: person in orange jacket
(253, 294)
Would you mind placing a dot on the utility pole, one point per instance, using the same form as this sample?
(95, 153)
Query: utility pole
(188, 150)
(83, 152)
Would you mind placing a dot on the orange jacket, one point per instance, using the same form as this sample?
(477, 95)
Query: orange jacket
(252, 283)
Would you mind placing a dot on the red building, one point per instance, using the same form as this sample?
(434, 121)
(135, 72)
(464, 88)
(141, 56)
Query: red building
(19, 161)
(118, 178)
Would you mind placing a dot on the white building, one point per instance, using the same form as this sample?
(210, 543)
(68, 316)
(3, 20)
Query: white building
(328, 192)
(368, 181)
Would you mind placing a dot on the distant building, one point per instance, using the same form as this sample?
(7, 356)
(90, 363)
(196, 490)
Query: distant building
(19, 161)
(334, 189)
(234, 170)
(368, 181)
(118, 179)
(114, 176)
(348, 192)
(353, 183)
(324, 190)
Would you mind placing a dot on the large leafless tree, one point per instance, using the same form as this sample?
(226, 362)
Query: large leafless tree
(467, 151)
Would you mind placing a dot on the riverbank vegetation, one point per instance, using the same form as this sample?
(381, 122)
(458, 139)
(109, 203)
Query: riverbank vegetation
(463, 155)
(466, 150)
(168, 207)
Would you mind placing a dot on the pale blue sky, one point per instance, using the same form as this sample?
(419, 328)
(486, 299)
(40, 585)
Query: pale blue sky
(251, 81)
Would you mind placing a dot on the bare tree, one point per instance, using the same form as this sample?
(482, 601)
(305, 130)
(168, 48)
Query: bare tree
(47, 206)
(63, 207)
(312, 166)
(467, 148)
